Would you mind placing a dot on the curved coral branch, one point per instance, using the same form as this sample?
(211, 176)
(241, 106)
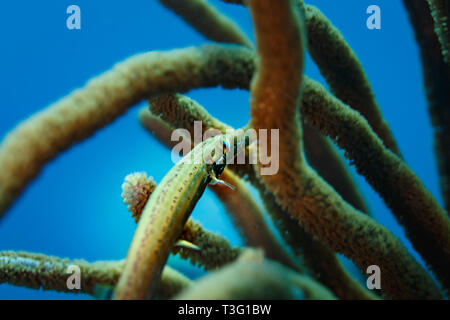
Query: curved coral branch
(343, 72)
(427, 225)
(181, 112)
(208, 21)
(39, 139)
(437, 82)
(318, 208)
(252, 277)
(36, 271)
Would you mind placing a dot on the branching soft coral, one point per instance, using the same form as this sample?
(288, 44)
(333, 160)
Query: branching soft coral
(276, 95)
(314, 218)
(319, 260)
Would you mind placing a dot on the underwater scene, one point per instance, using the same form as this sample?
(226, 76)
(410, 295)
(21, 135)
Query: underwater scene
(225, 149)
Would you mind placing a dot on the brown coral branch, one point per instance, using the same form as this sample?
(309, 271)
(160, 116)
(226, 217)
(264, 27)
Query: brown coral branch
(36, 271)
(180, 111)
(318, 208)
(253, 277)
(39, 139)
(436, 75)
(208, 21)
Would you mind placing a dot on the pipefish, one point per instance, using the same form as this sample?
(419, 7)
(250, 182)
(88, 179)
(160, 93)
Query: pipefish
(165, 214)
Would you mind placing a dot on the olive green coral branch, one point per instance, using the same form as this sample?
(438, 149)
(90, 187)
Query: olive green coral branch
(208, 21)
(36, 271)
(276, 92)
(437, 82)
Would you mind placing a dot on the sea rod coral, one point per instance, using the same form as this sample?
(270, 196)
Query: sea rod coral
(312, 201)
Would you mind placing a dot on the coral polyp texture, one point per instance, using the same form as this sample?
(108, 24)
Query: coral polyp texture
(295, 224)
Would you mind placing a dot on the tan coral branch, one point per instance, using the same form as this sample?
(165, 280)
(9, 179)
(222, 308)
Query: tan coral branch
(208, 21)
(36, 271)
(253, 277)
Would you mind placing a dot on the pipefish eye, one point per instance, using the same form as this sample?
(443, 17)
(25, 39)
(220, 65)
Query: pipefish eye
(226, 146)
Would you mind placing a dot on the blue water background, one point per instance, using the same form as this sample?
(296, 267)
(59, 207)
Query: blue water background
(74, 209)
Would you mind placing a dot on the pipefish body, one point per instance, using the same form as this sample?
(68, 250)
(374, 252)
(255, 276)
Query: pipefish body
(165, 214)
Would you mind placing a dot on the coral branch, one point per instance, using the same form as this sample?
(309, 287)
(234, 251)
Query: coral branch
(343, 71)
(137, 188)
(437, 82)
(181, 111)
(253, 277)
(208, 21)
(427, 225)
(319, 209)
(324, 158)
(440, 11)
(36, 271)
(215, 251)
(39, 139)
